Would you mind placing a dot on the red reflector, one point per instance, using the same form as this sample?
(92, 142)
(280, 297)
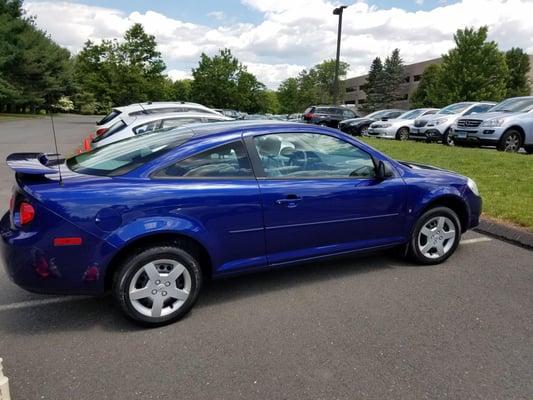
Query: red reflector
(67, 241)
(101, 131)
(27, 213)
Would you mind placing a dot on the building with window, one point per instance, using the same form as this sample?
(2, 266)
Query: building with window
(355, 97)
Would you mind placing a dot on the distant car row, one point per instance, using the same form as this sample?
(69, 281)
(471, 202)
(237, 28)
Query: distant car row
(507, 125)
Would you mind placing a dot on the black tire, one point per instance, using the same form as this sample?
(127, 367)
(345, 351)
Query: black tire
(511, 141)
(363, 131)
(402, 134)
(415, 252)
(130, 268)
(447, 140)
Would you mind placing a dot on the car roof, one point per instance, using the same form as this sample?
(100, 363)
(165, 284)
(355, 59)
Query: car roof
(176, 115)
(156, 104)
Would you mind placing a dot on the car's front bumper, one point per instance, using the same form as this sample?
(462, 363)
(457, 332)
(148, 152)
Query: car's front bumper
(483, 136)
(384, 133)
(429, 133)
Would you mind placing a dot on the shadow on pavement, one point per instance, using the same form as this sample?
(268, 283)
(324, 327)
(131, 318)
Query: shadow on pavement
(87, 313)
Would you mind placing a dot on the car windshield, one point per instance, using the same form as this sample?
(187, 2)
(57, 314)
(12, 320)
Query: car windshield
(121, 157)
(411, 114)
(378, 114)
(454, 108)
(514, 105)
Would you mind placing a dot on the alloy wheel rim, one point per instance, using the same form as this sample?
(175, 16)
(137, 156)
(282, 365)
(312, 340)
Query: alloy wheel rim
(160, 288)
(449, 140)
(404, 134)
(511, 143)
(437, 237)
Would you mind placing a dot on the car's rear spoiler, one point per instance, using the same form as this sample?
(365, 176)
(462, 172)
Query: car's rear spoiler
(34, 163)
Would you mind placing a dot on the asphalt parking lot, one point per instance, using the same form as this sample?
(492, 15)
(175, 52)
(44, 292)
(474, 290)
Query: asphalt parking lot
(364, 328)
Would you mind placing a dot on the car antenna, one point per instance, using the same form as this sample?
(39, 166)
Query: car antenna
(55, 144)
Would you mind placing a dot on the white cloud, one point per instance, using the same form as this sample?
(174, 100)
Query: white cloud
(297, 33)
(218, 15)
(178, 74)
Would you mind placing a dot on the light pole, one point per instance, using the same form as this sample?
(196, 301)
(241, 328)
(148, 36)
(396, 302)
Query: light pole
(338, 11)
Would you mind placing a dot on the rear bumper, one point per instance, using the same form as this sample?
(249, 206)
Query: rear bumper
(33, 263)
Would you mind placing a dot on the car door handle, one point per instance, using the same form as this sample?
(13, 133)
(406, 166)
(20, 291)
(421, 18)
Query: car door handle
(290, 201)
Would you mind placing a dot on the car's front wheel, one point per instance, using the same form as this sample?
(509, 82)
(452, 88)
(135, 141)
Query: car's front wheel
(447, 139)
(511, 141)
(157, 285)
(402, 134)
(436, 236)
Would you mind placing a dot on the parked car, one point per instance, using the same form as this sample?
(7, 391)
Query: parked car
(150, 218)
(508, 126)
(234, 114)
(435, 128)
(359, 126)
(398, 128)
(126, 127)
(296, 117)
(140, 109)
(327, 115)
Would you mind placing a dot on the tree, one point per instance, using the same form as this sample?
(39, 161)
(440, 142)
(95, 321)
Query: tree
(393, 76)
(374, 87)
(432, 90)
(289, 100)
(182, 89)
(325, 79)
(475, 69)
(120, 73)
(518, 66)
(34, 71)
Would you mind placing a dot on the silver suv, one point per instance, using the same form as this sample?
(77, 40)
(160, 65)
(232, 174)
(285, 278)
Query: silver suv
(436, 127)
(508, 126)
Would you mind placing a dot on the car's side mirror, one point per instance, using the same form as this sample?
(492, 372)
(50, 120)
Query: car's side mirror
(383, 170)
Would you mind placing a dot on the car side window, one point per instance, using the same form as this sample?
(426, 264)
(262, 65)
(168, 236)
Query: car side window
(173, 122)
(347, 114)
(309, 155)
(227, 161)
(147, 127)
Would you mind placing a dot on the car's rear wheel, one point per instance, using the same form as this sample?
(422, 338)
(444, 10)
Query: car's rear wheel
(364, 130)
(157, 285)
(436, 236)
(510, 141)
(402, 134)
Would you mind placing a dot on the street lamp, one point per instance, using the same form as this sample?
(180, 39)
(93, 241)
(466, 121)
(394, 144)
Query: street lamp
(338, 11)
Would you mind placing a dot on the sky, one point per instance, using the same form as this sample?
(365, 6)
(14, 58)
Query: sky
(276, 39)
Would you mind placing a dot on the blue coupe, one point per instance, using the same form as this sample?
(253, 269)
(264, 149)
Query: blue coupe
(152, 217)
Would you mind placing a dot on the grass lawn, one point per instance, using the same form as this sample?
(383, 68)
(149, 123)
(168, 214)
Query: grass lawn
(505, 180)
(10, 117)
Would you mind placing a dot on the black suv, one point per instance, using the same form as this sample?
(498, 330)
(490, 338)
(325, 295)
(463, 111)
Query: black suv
(327, 115)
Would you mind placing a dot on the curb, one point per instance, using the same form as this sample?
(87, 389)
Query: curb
(517, 236)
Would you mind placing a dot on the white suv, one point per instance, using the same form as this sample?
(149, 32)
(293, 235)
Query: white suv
(508, 126)
(437, 127)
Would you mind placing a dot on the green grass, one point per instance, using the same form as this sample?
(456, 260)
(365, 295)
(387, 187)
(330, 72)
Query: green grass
(10, 117)
(505, 180)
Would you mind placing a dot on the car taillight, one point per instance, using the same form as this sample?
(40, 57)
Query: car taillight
(27, 213)
(101, 131)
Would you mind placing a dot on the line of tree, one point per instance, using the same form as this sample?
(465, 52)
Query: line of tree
(474, 70)
(313, 86)
(384, 81)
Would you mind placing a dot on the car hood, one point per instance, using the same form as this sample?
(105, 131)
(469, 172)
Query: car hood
(489, 115)
(432, 171)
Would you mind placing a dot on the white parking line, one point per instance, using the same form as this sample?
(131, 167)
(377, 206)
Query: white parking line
(55, 300)
(32, 303)
(476, 240)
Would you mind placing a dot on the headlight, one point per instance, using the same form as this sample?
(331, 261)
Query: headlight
(437, 121)
(386, 125)
(494, 122)
(473, 187)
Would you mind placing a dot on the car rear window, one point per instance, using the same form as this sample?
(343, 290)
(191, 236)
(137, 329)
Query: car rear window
(309, 110)
(124, 156)
(109, 117)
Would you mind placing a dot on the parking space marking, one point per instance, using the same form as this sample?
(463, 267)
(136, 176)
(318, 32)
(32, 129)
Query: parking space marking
(476, 240)
(32, 303)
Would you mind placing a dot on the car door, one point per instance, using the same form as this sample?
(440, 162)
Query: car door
(320, 197)
(216, 188)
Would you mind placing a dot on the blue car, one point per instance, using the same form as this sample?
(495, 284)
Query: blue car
(152, 217)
